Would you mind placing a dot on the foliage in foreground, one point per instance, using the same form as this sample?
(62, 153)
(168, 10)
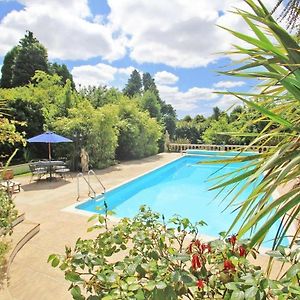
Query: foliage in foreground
(271, 55)
(146, 258)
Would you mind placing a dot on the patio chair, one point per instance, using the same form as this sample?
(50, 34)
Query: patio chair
(38, 171)
(62, 171)
(11, 186)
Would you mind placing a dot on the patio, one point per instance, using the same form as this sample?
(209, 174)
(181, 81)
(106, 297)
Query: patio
(30, 275)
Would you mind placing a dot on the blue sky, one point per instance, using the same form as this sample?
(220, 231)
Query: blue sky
(102, 41)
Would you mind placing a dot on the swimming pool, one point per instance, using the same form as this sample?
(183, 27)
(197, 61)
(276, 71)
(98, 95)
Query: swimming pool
(180, 187)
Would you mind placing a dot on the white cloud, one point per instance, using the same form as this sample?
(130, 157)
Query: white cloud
(228, 84)
(186, 101)
(101, 74)
(64, 27)
(179, 33)
(165, 78)
(227, 102)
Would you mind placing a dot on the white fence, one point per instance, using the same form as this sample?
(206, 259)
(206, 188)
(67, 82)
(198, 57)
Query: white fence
(182, 147)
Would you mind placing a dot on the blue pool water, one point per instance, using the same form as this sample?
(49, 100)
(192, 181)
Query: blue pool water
(180, 187)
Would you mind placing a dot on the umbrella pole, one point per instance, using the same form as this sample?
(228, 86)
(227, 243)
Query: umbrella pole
(49, 150)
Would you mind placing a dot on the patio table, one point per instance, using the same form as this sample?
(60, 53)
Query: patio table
(50, 164)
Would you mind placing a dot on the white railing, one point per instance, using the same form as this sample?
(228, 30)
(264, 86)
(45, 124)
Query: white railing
(183, 147)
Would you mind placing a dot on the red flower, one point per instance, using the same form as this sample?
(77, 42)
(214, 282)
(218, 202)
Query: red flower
(196, 263)
(190, 248)
(200, 284)
(206, 246)
(242, 251)
(197, 243)
(232, 240)
(228, 265)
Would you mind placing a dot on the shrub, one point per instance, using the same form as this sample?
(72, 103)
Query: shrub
(147, 258)
(8, 213)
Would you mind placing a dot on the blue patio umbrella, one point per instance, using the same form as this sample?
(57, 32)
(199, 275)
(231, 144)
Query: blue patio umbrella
(49, 137)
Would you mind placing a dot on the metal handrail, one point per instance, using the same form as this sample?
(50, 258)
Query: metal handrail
(93, 173)
(88, 183)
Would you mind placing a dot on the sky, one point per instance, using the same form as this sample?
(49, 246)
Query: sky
(102, 41)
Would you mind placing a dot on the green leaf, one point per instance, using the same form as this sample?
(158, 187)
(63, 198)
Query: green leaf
(237, 295)
(134, 287)
(293, 271)
(231, 286)
(251, 292)
(73, 277)
(55, 262)
(76, 293)
(161, 285)
(51, 257)
(150, 285)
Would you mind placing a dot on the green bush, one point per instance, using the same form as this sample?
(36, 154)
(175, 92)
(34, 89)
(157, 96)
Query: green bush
(138, 133)
(8, 213)
(147, 258)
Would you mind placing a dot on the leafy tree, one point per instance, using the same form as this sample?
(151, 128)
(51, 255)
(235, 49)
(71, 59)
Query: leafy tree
(216, 132)
(29, 116)
(63, 72)
(148, 102)
(7, 69)
(169, 124)
(199, 119)
(134, 85)
(187, 131)
(8, 132)
(148, 83)
(139, 133)
(31, 56)
(168, 109)
(236, 113)
(216, 113)
(101, 95)
(187, 119)
(97, 130)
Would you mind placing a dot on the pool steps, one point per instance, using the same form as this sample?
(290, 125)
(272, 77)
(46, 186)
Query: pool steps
(23, 231)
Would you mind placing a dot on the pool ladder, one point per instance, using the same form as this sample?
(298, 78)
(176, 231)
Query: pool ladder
(91, 190)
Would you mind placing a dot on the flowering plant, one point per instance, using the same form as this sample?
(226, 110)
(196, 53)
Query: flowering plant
(148, 258)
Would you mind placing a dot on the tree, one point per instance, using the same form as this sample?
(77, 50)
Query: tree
(63, 72)
(169, 124)
(216, 113)
(149, 103)
(199, 119)
(31, 56)
(168, 109)
(8, 68)
(134, 85)
(216, 132)
(236, 113)
(139, 133)
(148, 82)
(187, 118)
(97, 129)
(101, 95)
(29, 116)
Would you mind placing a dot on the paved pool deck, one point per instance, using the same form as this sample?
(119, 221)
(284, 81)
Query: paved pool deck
(31, 277)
